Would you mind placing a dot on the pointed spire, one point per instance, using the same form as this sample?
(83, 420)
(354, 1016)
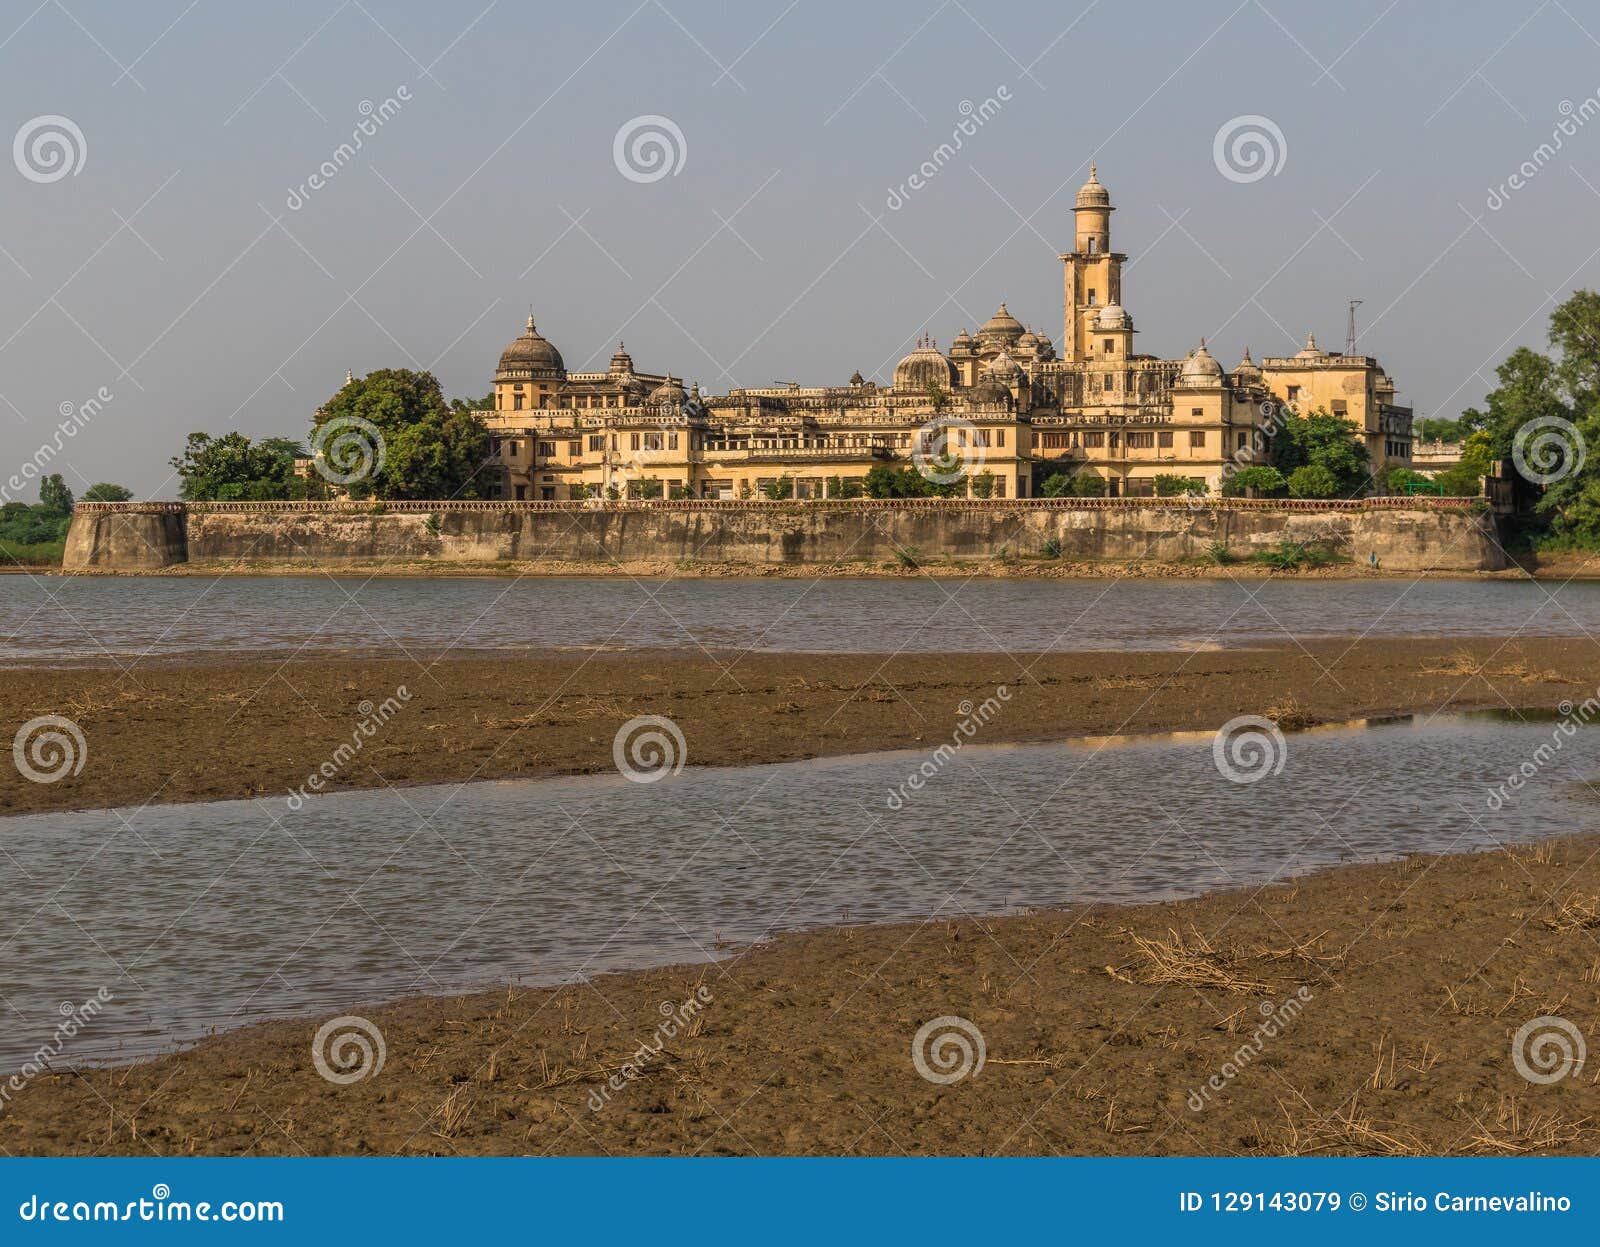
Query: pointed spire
(1311, 341)
(1092, 176)
(349, 376)
(531, 329)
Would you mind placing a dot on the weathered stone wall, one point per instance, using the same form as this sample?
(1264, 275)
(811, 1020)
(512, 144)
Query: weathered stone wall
(1418, 539)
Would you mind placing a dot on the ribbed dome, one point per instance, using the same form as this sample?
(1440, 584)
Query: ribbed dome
(1004, 369)
(533, 355)
(989, 391)
(1113, 316)
(1200, 368)
(924, 367)
(1091, 194)
(1001, 329)
(622, 362)
(668, 394)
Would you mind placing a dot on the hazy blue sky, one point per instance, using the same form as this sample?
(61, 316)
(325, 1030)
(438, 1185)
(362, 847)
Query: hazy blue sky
(156, 269)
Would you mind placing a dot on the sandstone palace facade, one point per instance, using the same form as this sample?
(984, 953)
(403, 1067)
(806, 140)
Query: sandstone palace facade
(1003, 400)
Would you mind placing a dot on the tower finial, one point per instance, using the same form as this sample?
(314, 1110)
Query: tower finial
(1092, 176)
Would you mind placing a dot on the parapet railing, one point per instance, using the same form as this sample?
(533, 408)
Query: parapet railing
(1418, 503)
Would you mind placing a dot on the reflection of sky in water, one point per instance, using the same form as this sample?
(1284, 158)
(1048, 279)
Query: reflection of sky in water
(56, 619)
(208, 916)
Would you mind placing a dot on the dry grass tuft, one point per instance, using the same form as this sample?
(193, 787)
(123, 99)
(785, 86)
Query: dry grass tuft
(1346, 1130)
(1509, 1129)
(1574, 913)
(1191, 960)
(1290, 715)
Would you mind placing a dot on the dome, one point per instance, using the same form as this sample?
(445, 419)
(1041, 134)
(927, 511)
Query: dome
(1310, 350)
(1004, 369)
(622, 362)
(532, 355)
(856, 378)
(965, 344)
(668, 394)
(1093, 195)
(1001, 329)
(924, 367)
(1046, 348)
(988, 392)
(1112, 316)
(1247, 370)
(1200, 368)
(1028, 343)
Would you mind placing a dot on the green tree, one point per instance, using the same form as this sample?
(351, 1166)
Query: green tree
(107, 492)
(423, 449)
(1313, 480)
(54, 496)
(1327, 442)
(1258, 480)
(1465, 480)
(779, 489)
(1399, 480)
(1169, 485)
(983, 485)
(1088, 485)
(233, 468)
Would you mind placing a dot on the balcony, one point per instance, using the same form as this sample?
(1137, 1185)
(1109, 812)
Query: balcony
(792, 450)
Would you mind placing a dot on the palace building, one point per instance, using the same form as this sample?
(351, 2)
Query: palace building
(1002, 401)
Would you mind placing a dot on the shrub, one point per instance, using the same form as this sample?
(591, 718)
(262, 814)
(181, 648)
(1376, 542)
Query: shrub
(1292, 556)
(1312, 480)
(1170, 486)
(1051, 548)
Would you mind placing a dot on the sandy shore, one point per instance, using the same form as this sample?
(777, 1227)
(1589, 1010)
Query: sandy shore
(217, 730)
(1367, 1009)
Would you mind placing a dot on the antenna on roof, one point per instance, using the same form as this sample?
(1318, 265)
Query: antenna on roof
(1350, 332)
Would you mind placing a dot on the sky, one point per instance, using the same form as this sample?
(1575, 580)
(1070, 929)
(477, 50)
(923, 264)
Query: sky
(727, 188)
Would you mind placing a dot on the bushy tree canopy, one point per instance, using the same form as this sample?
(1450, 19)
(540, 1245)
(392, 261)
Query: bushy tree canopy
(422, 447)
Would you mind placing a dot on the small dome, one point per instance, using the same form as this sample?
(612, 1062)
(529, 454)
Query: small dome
(988, 392)
(856, 378)
(1028, 342)
(1112, 316)
(1004, 369)
(1001, 329)
(1200, 368)
(1046, 349)
(1310, 351)
(1093, 195)
(965, 344)
(668, 394)
(533, 355)
(924, 367)
(1247, 370)
(622, 362)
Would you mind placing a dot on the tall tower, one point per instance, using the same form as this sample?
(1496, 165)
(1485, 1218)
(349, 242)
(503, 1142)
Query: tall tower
(1092, 272)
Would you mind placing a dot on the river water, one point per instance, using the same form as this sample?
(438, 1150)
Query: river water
(53, 620)
(210, 916)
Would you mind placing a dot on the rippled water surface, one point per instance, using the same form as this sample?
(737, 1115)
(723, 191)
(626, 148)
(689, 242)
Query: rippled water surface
(199, 917)
(53, 620)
